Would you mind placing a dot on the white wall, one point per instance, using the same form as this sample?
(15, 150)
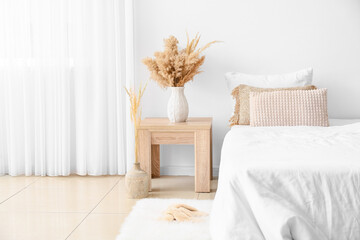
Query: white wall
(260, 36)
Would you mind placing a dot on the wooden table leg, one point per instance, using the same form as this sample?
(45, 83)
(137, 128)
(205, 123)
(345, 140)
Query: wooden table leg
(145, 152)
(211, 156)
(155, 161)
(202, 160)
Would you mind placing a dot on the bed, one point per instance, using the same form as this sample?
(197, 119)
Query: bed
(300, 183)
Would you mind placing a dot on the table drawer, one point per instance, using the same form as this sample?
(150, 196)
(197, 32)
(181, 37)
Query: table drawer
(172, 137)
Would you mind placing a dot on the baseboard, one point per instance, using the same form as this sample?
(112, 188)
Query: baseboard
(183, 170)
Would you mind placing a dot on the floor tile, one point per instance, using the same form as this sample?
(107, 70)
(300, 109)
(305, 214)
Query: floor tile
(116, 201)
(12, 185)
(53, 207)
(173, 194)
(38, 226)
(206, 196)
(172, 183)
(99, 226)
(164, 187)
(173, 187)
(61, 194)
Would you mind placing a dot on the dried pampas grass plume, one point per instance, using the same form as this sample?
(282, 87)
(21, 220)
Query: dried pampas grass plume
(174, 67)
(135, 113)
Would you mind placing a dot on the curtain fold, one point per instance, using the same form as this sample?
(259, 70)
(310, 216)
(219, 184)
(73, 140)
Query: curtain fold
(61, 95)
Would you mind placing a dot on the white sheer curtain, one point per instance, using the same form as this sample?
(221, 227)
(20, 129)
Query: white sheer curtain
(61, 90)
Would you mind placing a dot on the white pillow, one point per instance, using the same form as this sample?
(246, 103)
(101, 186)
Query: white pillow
(287, 80)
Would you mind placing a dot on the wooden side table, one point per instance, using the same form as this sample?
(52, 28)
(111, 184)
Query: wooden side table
(197, 131)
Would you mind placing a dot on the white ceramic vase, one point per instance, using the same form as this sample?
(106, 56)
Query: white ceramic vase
(178, 108)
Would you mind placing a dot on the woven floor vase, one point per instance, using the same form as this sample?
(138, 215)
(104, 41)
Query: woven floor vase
(137, 183)
(178, 108)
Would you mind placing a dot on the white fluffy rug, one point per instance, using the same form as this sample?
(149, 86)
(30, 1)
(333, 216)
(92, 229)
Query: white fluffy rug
(143, 224)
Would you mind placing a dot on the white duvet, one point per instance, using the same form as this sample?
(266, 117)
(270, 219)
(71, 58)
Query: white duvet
(299, 183)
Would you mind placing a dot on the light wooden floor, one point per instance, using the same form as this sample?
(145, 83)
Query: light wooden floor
(76, 207)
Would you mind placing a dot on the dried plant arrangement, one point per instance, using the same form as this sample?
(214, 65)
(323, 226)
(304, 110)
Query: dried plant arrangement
(135, 113)
(174, 67)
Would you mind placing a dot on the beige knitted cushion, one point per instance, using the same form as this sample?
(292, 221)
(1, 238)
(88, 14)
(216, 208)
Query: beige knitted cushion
(241, 93)
(289, 108)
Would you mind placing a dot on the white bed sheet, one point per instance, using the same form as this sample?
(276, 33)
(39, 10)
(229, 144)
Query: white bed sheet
(299, 183)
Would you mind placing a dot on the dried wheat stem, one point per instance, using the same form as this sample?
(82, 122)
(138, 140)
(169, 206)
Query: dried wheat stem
(135, 113)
